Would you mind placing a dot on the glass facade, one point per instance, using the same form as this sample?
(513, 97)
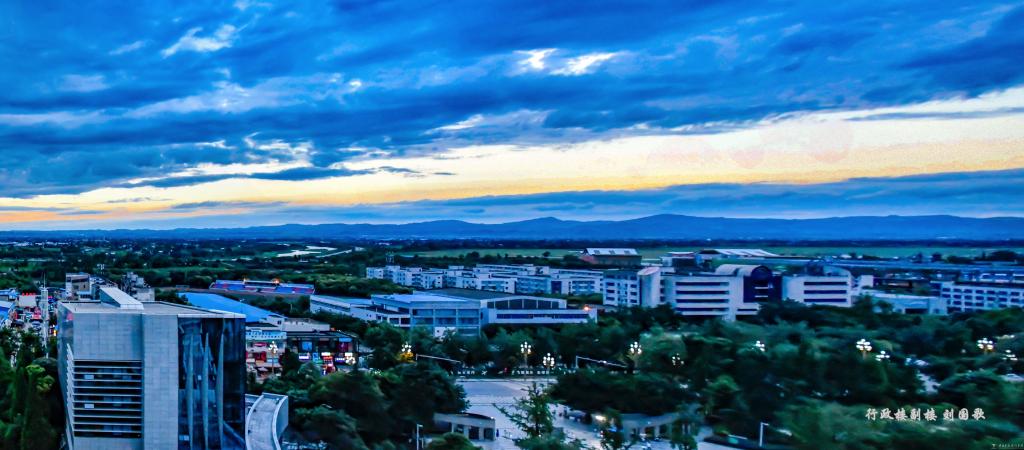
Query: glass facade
(211, 367)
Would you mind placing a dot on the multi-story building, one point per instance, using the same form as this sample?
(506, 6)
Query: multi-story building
(151, 375)
(512, 279)
(136, 286)
(732, 290)
(461, 311)
(831, 290)
(439, 313)
(78, 286)
(963, 296)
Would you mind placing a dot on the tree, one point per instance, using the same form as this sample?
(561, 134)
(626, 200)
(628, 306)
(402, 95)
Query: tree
(334, 427)
(532, 414)
(451, 441)
(289, 362)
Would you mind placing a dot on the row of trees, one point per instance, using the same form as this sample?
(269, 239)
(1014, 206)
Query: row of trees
(377, 409)
(31, 409)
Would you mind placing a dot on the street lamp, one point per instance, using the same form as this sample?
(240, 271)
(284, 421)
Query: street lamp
(882, 356)
(760, 346)
(525, 348)
(634, 352)
(406, 351)
(864, 346)
(549, 361)
(677, 360)
(1009, 356)
(986, 345)
(273, 356)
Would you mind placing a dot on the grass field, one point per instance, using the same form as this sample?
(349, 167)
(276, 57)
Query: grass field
(654, 252)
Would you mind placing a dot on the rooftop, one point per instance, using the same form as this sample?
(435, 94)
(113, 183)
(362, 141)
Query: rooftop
(221, 303)
(612, 251)
(468, 293)
(149, 308)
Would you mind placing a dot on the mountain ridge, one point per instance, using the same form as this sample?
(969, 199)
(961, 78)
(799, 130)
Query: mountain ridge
(661, 226)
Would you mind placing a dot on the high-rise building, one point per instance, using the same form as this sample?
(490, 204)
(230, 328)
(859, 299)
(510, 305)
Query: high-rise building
(151, 375)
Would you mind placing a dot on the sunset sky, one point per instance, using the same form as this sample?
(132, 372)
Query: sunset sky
(182, 114)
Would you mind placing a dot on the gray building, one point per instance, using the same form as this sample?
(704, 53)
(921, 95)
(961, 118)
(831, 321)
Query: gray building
(151, 375)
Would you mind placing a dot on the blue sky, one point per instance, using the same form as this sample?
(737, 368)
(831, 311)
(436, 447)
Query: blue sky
(183, 114)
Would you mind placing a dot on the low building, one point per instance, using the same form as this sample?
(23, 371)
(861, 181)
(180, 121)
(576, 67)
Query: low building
(964, 296)
(327, 349)
(220, 303)
(622, 257)
(336, 305)
(263, 287)
(712, 254)
(909, 304)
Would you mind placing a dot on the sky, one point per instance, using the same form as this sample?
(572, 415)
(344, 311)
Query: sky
(207, 114)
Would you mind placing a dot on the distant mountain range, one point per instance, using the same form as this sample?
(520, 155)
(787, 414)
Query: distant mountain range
(666, 226)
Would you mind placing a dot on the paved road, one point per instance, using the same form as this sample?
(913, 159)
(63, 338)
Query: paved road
(259, 430)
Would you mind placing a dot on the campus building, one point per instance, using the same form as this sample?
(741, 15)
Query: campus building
(263, 287)
(461, 311)
(963, 296)
(732, 290)
(511, 279)
(151, 375)
(622, 257)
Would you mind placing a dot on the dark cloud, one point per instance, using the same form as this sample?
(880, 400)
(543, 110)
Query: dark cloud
(93, 97)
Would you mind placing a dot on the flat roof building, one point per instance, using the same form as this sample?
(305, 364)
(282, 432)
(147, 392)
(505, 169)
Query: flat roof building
(151, 375)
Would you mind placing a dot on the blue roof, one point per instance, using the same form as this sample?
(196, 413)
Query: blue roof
(222, 303)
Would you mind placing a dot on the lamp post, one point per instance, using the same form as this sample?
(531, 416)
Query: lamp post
(549, 362)
(865, 347)
(760, 346)
(273, 356)
(676, 360)
(882, 356)
(634, 352)
(525, 348)
(406, 353)
(986, 345)
(1009, 356)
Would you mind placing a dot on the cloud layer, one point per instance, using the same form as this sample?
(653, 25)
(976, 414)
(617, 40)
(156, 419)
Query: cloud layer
(144, 97)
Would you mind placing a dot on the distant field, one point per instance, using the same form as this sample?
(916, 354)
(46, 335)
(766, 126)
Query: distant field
(654, 252)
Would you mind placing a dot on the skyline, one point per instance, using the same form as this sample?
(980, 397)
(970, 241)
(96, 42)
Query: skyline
(251, 113)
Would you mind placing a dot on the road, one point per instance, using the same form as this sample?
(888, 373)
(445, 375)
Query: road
(259, 425)
(485, 396)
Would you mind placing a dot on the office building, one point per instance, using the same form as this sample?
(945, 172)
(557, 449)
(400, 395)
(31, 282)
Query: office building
(151, 375)
(732, 290)
(965, 296)
(830, 290)
(511, 279)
